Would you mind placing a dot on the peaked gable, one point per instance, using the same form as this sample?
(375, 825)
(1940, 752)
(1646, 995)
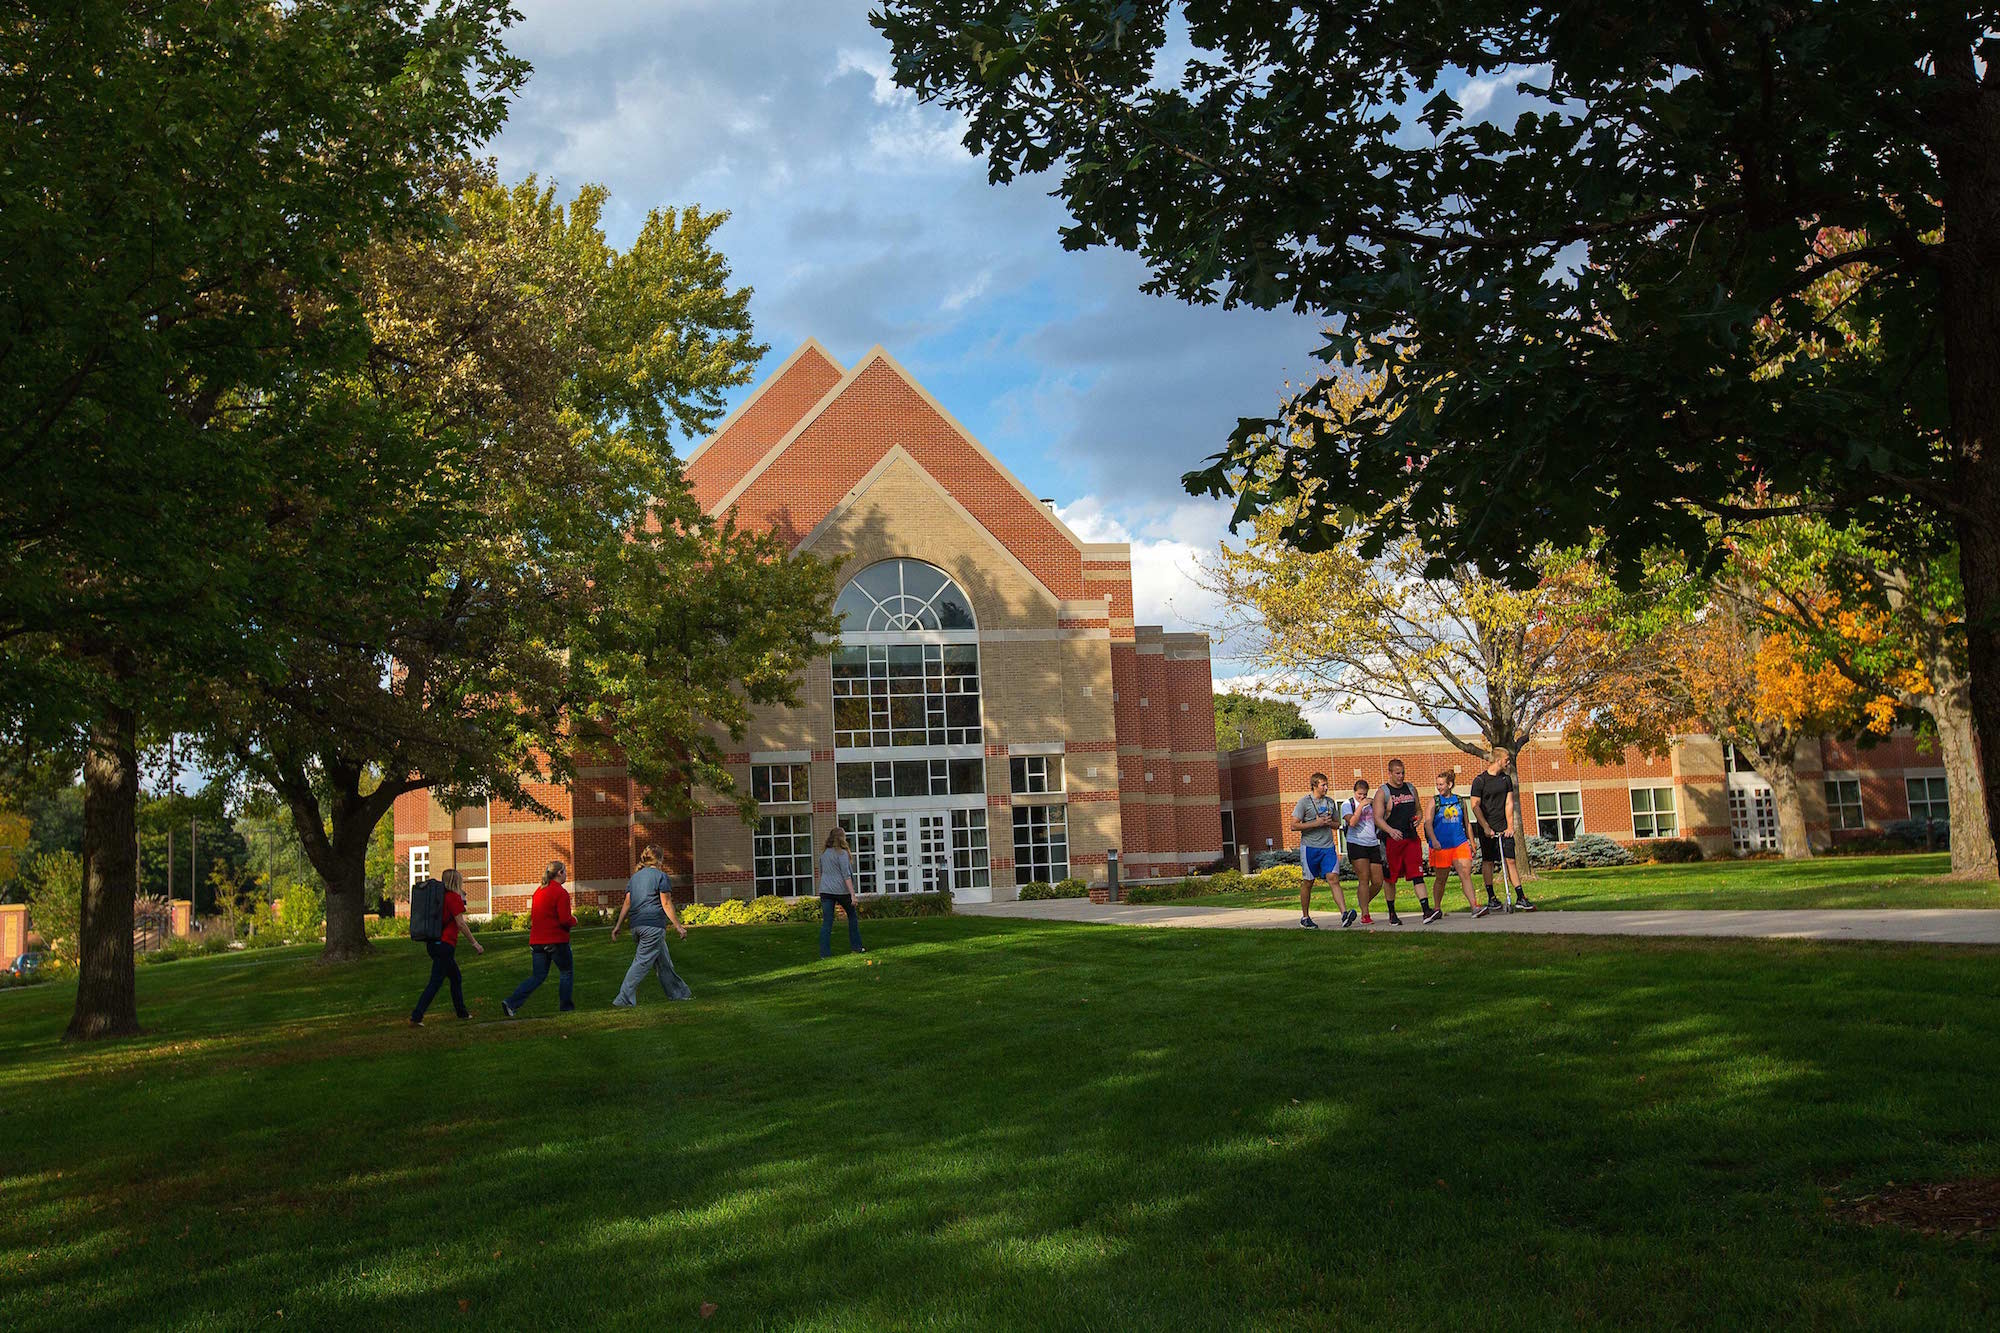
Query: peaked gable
(764, 418)
(876, 407)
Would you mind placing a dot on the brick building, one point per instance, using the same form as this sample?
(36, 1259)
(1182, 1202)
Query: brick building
(993, 715)
(1700, 790)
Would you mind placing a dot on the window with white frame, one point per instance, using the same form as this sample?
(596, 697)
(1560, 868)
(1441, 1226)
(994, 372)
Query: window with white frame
(1653, 813)
(909, 777)
(420, 864)
(1036, 774)
(1559, 815)
(906, 694)
(1928, 799)
(861, 848)
(971, 858)
(775, 784)
(1843, 803)
(1041, 844)
(781, 853)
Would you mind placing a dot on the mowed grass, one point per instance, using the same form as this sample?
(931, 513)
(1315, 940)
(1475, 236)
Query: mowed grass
(1916, 880)
(1014, 1125)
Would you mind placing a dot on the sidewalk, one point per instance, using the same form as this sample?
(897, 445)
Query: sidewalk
(1916, 926)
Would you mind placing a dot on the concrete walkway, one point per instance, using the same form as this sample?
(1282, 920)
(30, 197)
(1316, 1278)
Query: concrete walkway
(1917, 926)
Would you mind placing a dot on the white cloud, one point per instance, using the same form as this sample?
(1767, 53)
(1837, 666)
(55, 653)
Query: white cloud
(965, 293)
(1166, 541)
(1478, 94)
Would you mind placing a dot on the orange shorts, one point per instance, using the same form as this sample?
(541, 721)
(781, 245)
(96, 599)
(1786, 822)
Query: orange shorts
(1444, 858)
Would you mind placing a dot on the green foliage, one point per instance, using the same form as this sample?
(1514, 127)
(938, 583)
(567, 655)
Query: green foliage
(1037, 890)
(301, 912)
(1072, 888)
(1246, 719)
(1669, 851)
(770, 909)
(504, 921)
(1589, 850)
(54, 883)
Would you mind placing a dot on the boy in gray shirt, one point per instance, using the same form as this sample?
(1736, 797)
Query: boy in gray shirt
(1319, 853)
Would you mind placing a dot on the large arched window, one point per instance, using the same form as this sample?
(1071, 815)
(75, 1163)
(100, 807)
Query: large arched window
(902, 595)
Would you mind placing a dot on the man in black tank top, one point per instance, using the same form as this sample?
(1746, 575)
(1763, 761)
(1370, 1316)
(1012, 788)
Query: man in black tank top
(1397, 811)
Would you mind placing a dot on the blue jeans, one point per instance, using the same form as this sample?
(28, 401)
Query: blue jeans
(652, 957)
(845, 902)
(544, 955)
(444, 967)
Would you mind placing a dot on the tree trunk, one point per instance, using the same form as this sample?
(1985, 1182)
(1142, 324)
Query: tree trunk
(107, 1003)
(1774, 764)
(346, 889)
(1950, 707)
(1968, 150)
(338, 849)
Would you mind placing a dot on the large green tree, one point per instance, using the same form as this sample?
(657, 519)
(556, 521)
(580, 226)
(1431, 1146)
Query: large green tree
(544, 589)
(1247, 719)
(184, 183)
(1564, 303)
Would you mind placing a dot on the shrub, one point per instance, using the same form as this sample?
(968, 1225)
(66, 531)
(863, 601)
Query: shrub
(908, 905)
(1594, 849)
(1910, 832)
(1229, 881)
(1072, 888)
(1157, 893)
(55, 901)
(1286, 856)
(1280, 877)
(302, 912)
(1674, 851)
(1036, 890)
(1542, 854)
(386, 927)
(503, 921)
(771, 909)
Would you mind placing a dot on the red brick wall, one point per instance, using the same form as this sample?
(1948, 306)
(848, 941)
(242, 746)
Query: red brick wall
(772, 411)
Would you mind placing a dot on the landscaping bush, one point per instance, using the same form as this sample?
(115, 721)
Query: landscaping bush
(386, 927)
(1594, 849)
(1673, 851)
(1542, 854)
(503, 921)
(55, 901)
(1910, 833)
(302, 913)
(907, 905)
(771, 909)
(1281, 876)
(1229, 881)
(1286, 856)
(1072, 888)
(1041, 890)
(1161, 893)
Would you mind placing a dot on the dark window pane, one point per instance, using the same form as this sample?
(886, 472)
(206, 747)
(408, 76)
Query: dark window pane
(968, 776)
(912, 778)
(853, 782)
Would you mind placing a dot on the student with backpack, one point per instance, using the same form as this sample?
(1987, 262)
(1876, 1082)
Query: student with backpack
(437, 916)
(550, 920)
(649, 902)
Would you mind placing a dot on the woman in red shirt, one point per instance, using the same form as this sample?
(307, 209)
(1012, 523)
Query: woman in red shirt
(444, 950)
(550, 920)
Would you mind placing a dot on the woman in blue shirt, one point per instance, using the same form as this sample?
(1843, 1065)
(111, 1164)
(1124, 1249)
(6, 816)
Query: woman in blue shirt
(649, 902)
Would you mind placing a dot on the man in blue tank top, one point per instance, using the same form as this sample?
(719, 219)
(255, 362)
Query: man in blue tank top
(1448, 822)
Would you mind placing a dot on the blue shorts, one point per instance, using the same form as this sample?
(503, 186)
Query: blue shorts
(1320, 862)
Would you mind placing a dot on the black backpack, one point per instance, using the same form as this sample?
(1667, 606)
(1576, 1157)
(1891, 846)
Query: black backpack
(427, 911)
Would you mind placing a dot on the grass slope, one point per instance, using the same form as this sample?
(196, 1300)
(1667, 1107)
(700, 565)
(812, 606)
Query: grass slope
(1917, 880)
(998, 1124)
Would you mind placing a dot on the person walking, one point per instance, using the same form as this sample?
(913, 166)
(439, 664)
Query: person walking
(1448, 821)
(444, 951)
(836, 890)
(1398, 808)
(1319, 855)
(1364, 849)
(550, 920)
(649, 903)
(1496, 803)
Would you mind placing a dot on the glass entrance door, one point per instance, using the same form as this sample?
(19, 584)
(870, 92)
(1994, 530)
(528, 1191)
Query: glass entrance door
(933, 853)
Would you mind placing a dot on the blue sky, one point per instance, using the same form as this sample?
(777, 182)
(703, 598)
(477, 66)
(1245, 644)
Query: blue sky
(859, 218)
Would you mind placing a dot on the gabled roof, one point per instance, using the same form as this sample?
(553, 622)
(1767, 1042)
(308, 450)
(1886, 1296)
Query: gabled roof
(761, 420)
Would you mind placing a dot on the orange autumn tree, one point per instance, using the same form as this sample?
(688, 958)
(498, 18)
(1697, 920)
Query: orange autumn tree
(1710, 659)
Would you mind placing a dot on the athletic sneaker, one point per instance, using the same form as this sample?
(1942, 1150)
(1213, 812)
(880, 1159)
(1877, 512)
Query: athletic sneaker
(506, 1008)
(1347, 918)
(1308, 923)
(1394, 920)
(1484, 910)
(1522, 904)
(1367, 920)
(1432, 917)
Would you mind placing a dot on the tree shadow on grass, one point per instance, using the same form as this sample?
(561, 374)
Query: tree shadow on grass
(1030, 1126)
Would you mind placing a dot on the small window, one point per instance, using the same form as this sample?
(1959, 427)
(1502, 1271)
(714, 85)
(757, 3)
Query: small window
(775, 784)
(909, 777)
(782, 856)
(420, 864)
(1559, 815)
(1036, 774)
(1229, 836)
(1843, 802)
(1653, 813)
(1928, 799)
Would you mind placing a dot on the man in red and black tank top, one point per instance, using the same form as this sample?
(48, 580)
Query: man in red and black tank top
(1397, 812)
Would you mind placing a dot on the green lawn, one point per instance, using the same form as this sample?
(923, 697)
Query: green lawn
(1916, 880)
(1015, 1125)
